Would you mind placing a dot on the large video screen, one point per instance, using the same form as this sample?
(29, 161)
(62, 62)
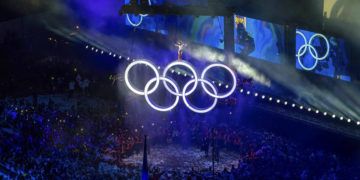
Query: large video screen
(321, 54)
(154, 23)
(259, 39)
(161, 23)
(207, 30)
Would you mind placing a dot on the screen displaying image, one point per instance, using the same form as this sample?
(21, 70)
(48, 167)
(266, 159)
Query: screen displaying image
(259, 39)
(153, 23)
(321, 54)
(205, 30)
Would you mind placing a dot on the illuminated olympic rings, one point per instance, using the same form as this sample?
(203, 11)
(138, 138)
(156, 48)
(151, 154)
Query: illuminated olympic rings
(175, 90)
(141, 18)
(313, 52)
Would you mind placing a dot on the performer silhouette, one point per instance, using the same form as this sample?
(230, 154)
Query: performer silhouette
(181, 47)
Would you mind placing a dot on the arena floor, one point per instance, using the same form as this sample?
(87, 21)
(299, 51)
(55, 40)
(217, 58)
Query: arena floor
(176, 157)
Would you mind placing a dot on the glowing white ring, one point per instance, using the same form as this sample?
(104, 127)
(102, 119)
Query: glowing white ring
(215, 95)
(184, 93)
(187, 65)
(327, 47)
(162, 109)
(135, 24)
(197, 110)
(141, 18)
(313, 52)
(299, 60)
(136, 91)
(301, 53)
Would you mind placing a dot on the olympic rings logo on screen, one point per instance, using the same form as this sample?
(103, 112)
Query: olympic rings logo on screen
(186, 91)
(313, 52)
(141, 18)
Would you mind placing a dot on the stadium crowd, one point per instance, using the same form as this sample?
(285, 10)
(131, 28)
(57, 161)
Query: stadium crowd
(55, 138)
(68, 133)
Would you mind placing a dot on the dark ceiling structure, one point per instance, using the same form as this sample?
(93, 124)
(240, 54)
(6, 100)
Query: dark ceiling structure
(11, 9)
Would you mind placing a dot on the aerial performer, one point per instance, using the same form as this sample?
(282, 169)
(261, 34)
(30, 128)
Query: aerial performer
(181, 47)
